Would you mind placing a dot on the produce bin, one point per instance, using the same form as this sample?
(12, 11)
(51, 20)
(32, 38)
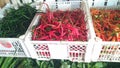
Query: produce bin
(107, 51)
(11, 46)
(76, 51)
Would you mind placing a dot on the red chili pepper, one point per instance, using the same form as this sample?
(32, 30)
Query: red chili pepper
(118, 39)
(61, 25)
(43, 38)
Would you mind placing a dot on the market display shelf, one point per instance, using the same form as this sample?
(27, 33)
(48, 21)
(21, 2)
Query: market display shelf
(93, 50)
(46, 50)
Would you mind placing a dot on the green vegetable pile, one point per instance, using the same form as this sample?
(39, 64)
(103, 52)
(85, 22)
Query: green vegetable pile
(32, 63)
(16, 21)
(10, 62)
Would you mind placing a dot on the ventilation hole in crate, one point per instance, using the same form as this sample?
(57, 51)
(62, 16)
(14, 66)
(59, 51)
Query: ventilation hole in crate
(103, 47)
(113, 52)
(83, 56)
(35, 46)
(76, 54)
(56, 6)
(32, 0)
(40, 54)
(80, 4)
(119, 48)
(43, 53)
(118, 3)
(21, 1)
(37, 53)
(108, 47)
(99, 56)
(84, 47)
(106, 52)
(105, 4)
(93, 4)
(113, 58)
(118, 58)
(46, 48)
(46, 54)
(73, 54)
(80, 54)
(67, 2)
(70, 48)
(101, 52)
(109, 52)
(75, 48)
(11, 2)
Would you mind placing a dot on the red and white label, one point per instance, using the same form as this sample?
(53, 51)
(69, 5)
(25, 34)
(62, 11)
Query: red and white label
(5, 44)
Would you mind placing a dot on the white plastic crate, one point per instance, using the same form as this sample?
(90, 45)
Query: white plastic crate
(12, 47)
(71, 50)
(105, 50)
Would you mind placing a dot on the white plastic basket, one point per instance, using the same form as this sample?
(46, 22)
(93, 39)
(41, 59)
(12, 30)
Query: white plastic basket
(71, 50)
(104, 50)
(12, 47)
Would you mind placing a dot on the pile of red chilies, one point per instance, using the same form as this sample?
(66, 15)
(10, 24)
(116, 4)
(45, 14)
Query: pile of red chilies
(61, 26)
